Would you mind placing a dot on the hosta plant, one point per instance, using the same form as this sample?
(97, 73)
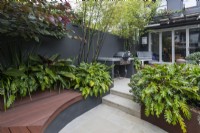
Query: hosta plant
(51, 72)
(93, 79)
(167, 89)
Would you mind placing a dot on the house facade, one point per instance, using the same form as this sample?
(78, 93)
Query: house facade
(175, 32)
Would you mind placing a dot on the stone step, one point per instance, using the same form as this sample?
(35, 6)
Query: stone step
(123, 104)
(122, 93)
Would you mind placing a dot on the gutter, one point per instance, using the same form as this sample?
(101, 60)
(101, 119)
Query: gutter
(152, 25)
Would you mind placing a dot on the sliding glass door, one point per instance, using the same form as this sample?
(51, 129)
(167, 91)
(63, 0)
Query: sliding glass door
(185, 41)
(167, 46)
(155, 46)
(180, 44)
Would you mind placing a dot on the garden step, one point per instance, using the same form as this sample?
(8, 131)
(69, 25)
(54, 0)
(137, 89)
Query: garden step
(123, 104)
(122, 92)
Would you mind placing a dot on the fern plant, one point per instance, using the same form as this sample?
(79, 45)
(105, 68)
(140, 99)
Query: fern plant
(166, 89)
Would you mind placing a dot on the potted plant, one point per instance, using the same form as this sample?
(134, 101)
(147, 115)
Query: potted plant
(169, 95)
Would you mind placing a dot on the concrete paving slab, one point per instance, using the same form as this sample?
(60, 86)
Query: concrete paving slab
(123, 104)
(106, 119)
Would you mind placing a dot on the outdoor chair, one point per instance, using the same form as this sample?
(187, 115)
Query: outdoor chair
(144, 56)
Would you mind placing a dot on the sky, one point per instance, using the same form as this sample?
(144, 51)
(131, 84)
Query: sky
(187, 3)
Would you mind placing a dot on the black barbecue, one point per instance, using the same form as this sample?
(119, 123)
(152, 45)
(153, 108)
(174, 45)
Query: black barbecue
(124, 56)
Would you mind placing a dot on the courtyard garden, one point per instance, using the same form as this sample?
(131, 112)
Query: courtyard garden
(51, 73)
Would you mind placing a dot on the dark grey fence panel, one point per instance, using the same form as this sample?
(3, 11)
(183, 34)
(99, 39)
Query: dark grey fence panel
(69, 48)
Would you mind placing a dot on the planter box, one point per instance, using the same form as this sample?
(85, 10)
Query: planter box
(193, 125)
(35, 96)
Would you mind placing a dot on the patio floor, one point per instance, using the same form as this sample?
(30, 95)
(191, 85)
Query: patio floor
(105, 119)
(108, 119)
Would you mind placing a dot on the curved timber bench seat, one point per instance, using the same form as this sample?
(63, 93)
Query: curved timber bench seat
(35, 117)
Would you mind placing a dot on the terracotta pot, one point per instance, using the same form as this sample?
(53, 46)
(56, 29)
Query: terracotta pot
(193, 125)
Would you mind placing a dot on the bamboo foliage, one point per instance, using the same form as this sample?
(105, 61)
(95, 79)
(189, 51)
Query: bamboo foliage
(92, 16)
(123, 18)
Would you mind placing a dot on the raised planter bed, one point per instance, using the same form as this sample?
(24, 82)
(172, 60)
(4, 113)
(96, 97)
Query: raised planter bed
(47, 112)
(35, 96)
(193, 125)
(36, 115)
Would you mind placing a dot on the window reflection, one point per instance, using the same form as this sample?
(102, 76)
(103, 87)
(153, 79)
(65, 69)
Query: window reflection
(194, 40)
(180, 44)
(166, 46)
(155, 46)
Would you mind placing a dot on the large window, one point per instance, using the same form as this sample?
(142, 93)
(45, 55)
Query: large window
(194, 40)
(185, 41)
(155, 46)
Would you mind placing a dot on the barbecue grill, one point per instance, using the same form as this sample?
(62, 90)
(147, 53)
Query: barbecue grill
(124, 57)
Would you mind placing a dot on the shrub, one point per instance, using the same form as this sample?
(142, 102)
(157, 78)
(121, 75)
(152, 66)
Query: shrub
(167, 89)
(38, 73)
(193, 58)
(93, 79)
(136, 63)
(46, 73)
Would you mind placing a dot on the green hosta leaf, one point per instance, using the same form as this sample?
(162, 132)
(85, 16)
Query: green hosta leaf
(103, 87)
(50, 73)
(67, 74)
(63, 82)
(91, 93)
(13, 72)
(95, 92)
(147, 111)
(35, 58)
(76, 86)
(35, 69)
(54, 57)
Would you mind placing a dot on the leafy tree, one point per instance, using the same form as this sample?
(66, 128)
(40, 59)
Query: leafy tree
(95, 19)
(32, 19)
(124, 18)
(130, 18)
